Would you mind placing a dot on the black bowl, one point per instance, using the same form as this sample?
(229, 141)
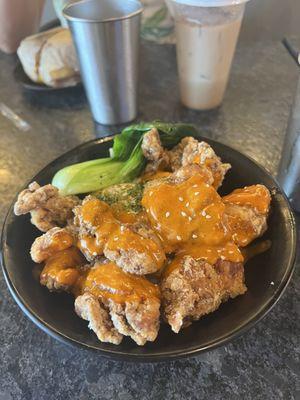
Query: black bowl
(267, 275)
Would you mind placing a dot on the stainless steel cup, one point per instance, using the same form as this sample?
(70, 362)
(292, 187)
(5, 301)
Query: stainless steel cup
(106, 36)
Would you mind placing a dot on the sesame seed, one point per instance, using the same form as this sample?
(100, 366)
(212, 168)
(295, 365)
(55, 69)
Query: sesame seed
(190, 218)
(168, 214)
(183, 213)
(116, 238)
(207, 185)
(272, 283)
(194, 236)
(208, 216)
(209, 250)
(94, 254)
(203, 213)
(178, 237)
(197, 193)
(218, 251)
(222, 258)
(187, 204)
(150, 193)
(180, 198)
(230, 252)
(122, 229)
(195, 185)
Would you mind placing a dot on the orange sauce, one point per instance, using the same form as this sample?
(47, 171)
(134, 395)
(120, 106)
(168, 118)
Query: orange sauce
(108, 281)
(150, 176)
(191, 210)
(88, 245)
(99, 217)
(229, 251)
(60, 240)
(190, 218)
(256, 196)
(124, 238)
(96, 212)
(242, 229)
(110, 233)
(62, 266)
(210, 253)
(128, 217)
(208, 163)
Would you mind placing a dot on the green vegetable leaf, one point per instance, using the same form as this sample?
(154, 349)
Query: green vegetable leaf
(126, 163)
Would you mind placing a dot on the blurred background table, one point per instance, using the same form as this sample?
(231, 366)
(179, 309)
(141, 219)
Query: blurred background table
(264, 363)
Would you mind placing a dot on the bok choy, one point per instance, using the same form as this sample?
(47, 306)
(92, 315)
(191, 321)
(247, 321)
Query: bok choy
(125, 163)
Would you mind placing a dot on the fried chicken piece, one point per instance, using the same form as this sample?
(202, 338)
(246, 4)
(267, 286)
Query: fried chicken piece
(154, 152)
(132, 304)
(88, 307)
(191, 151)
(181, 175)
(89, 217)
(56, 239)
(63, 269)
(246, 213)
(133, 249)
(175, 155)
(138, 320)
(136, 249)
(186, 172)
(151, 145)
(195, 288)
(47, 207)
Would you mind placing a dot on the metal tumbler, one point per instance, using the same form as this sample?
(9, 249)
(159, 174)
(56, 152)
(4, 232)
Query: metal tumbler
(106, 37)
(289, 168)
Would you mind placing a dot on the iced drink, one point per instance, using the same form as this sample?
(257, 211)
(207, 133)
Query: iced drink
(206, 38)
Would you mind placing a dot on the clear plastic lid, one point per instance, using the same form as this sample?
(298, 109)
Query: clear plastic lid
(210, 3)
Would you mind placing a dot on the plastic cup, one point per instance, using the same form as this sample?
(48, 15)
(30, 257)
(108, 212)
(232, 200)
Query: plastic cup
(206, 37)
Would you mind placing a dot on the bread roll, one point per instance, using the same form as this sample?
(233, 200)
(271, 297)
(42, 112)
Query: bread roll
(49, 57)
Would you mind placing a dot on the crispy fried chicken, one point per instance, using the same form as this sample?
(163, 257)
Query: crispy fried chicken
(98, 249)
(47, 207)
(63, 269)
(246, 213)
(195, 288)
(88, 307)
(133, 249)
(125, 304)
(154, 152)
(56, 239)
(190, 151)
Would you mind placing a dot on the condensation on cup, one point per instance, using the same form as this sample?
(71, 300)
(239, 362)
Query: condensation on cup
(206, 37)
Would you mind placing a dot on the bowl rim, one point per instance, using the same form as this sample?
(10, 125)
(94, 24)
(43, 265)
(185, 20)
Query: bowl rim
(118, 354)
